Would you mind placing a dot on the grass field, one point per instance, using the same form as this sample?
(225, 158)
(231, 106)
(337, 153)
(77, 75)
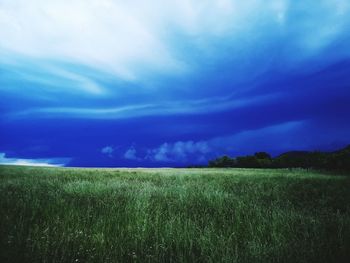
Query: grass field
(173, 215)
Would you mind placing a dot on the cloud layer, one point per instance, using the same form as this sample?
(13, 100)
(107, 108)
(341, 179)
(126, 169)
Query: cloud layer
(135, 40)
(33, 162)
(178, 152)
(172, 81)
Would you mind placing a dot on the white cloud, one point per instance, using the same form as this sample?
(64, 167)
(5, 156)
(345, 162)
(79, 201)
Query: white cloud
(178, 151)
(33, 162)
(276, 138)
(108, 150)
(124, 37)
(109, 35)
(123, 48)
(130, 154)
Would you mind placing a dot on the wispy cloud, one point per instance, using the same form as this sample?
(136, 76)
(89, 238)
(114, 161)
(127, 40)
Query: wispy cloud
(157, 47)
(151, 109)
(215, 71)
(277, 137)
(109, 35)
(56, 162)
(127, 37)
(47, 79)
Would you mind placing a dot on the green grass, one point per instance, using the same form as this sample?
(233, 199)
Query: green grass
(173, 215)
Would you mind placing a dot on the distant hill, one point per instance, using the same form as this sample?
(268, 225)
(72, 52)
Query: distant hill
(297, 154)
(346, 150)
(294, 154)
(336, 160)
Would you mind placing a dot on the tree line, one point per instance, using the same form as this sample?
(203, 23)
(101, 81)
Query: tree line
(337, 160)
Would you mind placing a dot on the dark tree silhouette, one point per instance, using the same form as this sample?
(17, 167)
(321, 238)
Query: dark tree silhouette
(338, 160)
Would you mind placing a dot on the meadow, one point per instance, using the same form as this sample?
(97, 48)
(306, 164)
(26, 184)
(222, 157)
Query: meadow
(173, 215)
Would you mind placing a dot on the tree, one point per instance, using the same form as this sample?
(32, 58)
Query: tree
(262, 155)
(224, 161)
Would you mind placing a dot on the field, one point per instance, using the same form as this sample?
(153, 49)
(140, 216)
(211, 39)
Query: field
(173, 215)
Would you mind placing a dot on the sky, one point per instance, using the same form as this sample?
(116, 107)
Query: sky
(151, 83)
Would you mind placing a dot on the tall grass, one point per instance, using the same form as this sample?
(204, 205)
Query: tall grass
(173, 215)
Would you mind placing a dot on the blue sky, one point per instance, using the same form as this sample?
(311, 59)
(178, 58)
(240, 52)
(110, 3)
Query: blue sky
(171, 83)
